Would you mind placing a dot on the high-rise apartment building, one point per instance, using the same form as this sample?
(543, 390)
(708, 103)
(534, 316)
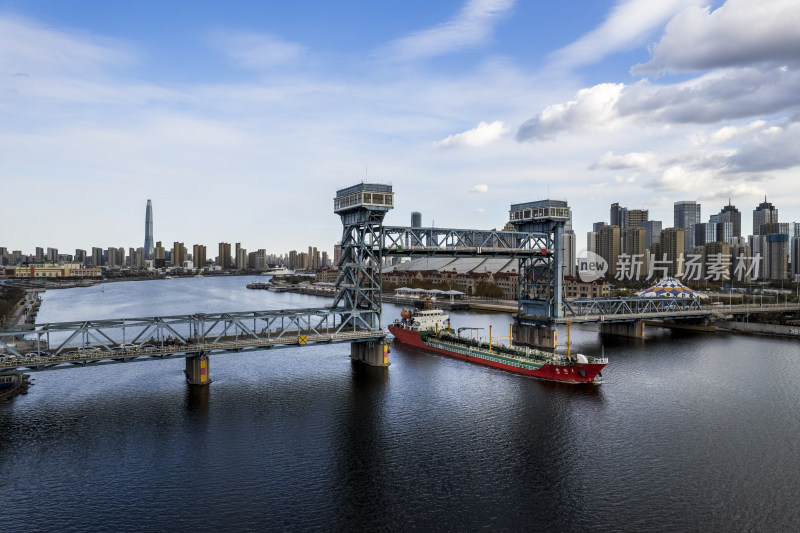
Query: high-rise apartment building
(178, 254)
(52, 255)
(673, 245)
(149, 248)
(635, 217)
(39, 254)
(795, 259)
(97, 256)
(764, 213)
(608, 246)
(568, 247)
(224, 259)
(634, 243)
(597, 225)
(80, 256)
(416, 219)
(687, 214)
(777, 256)
(337, 253)
(199, 255)
(241, 257)
(730, 214)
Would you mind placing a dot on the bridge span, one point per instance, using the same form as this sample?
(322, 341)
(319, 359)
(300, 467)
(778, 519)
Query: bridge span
(355, 315)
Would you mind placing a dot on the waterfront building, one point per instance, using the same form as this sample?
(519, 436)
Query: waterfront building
(199, 255)
(97, 256)
(764, 213)
(241, 257)
(686, 215)
(224, 258)
(178, 254)
(149, 248)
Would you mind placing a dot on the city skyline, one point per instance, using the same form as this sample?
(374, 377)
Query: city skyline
(243, 121)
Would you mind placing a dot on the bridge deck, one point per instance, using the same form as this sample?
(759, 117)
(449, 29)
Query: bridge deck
(104, 355)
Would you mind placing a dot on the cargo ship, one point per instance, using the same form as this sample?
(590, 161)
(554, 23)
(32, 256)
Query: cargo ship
(429, 329)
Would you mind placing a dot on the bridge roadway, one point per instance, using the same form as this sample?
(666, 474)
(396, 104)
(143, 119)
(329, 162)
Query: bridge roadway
(95, 355)
(46, 346)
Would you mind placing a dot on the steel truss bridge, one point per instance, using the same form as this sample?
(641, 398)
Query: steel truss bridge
(583, 310)
(355, 315)
(129, 339)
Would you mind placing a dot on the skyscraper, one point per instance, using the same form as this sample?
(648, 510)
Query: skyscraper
(765, 213)
(687, 214)
(729, 213)
(149, 249)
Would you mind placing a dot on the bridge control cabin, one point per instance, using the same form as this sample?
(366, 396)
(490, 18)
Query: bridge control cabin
(364, 195)
(539, 210)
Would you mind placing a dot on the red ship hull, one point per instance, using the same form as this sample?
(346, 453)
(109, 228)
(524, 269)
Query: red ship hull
(564, 373)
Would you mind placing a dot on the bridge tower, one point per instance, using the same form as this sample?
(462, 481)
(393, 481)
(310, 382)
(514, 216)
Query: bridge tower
(541, 277)
(362, 208)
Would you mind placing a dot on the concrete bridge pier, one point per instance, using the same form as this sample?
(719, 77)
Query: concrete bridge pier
(372, 353)
(623, 329)
(197, 369)
(542, 337)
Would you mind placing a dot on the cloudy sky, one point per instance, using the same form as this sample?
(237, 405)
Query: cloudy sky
(241, 119)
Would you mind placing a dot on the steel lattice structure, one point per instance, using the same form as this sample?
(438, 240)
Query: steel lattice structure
(125, 339)
(622, 309)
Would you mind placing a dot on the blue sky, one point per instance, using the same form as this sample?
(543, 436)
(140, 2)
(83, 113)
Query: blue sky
(241, 119)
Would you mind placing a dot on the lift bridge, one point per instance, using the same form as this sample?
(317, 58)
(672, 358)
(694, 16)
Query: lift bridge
(355, 315)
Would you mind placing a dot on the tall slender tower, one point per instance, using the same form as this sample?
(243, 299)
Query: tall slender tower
(149, 249)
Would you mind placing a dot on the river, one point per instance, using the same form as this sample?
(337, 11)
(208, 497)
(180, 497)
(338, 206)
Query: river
(689, 432)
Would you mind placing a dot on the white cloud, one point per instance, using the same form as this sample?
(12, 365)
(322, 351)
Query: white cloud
(627, 25)
(678, 178)
(480, 210)
(479, 188)
(481, 135)
(739, 33)
(472, 26)
(593, 109)
(728, 134)
(632, 160)
(32, 49)
(257, 50)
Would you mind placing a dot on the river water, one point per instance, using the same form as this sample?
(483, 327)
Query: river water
(689, 432)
